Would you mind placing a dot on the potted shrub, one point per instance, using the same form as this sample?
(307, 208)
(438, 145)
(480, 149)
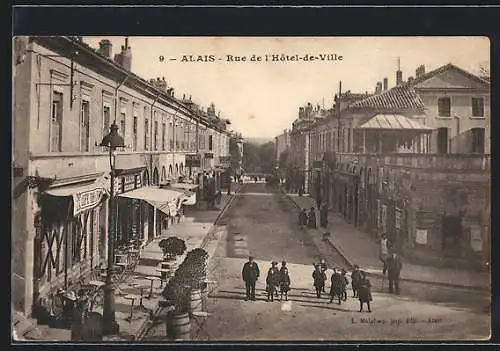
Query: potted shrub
(177, 294)
(171, 247)
(194, 271)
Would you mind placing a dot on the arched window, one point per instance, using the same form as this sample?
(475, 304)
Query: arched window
(182, 169)
(145, 178)
(170, 171)
(156, 178)
(163, 174)
(176, 170)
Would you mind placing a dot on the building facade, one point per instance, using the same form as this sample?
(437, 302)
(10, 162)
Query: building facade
(66, 96)
(411, 161)
(282, 143)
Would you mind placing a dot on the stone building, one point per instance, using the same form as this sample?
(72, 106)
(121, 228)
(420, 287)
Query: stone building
(411, 161)
(281, 143)
(66, 96)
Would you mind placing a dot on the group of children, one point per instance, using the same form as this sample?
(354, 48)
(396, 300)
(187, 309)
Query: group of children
(361, 286)
(277, 278)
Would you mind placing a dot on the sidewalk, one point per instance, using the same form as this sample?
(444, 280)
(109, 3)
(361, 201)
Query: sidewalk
(358, 248)
(194, 229)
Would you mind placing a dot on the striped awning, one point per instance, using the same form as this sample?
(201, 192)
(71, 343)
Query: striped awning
(164, 200)
(393, 122)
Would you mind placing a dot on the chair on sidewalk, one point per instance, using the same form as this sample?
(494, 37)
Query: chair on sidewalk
(200, 319)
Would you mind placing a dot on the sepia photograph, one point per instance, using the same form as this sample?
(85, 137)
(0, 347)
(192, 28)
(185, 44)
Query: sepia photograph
(208, 189)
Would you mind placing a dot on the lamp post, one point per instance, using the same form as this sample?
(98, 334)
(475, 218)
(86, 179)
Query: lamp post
(112, 141)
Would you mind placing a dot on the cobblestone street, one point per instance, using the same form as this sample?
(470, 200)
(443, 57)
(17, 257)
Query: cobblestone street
(263, 222)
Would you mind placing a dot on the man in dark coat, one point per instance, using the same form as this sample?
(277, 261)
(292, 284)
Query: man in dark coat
(319, 278)
(250, 275)
(355, 279)
(394, 266)
(324, 268)
(323, 216)
(311, 218)
(364, 292)
(303, 217)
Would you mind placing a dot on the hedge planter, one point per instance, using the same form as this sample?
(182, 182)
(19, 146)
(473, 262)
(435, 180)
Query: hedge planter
(178, 326)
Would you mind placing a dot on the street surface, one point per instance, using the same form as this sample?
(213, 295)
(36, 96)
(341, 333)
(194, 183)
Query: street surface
(262, 222)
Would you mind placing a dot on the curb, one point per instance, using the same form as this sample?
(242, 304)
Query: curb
(147, 323)
(378, 275)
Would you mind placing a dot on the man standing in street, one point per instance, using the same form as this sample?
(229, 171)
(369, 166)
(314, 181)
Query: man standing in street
(394, 266)
(250, 275)
(384, 251)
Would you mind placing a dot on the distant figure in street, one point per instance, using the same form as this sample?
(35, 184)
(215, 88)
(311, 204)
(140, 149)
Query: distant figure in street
(255, 179)
(394, 266)
(218, 197)
(337, 288)
(346, 283)
(250, 275)
(364, 292)
(384, 251)
(355, 279)
(323, 216)
(319, 278)
(323, 266)
(301, 191)
(303, 217)
(311, 218)
(284, 281)
(272, 281)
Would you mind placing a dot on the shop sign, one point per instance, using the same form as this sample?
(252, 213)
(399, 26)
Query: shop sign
(476, 239)
(86, 200)
(193, 160)
(398, 218)
(128, 182)
(421, 236)
(317, 164)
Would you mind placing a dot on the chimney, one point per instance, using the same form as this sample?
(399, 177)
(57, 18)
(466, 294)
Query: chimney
(378, 88)
(105, 48)
(386, 83)
(420, 71)
(126, 56)
(410, 80)
(399, 77)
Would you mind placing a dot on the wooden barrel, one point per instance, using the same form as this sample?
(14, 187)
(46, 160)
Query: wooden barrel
(196, 301)
(178, 326)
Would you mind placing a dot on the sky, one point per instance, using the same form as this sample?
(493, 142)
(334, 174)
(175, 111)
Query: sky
(262, 98)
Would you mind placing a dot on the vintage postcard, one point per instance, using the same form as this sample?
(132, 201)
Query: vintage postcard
(250, 188)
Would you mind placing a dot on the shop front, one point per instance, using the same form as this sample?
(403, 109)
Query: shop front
(68, 242)
(346, 195)
(163, 205)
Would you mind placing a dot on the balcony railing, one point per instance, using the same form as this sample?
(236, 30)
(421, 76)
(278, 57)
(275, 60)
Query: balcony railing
(465, 162)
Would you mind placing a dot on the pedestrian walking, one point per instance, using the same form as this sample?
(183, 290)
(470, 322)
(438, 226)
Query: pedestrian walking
(284, 282)
(384, 251)
(394, 266)
(345, 285)
(324, 267)
(311, 218)
(355, 279)
(364, 292)
(272, 281)
(337, 288)
(319, 278)
(303, 217)
(323, 216)
(250, 275)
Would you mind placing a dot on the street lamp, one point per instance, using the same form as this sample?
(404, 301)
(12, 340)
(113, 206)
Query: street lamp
(112, 141)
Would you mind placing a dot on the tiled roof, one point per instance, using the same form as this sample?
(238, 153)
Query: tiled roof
(354, 96)
(401, 97)
(393, 122)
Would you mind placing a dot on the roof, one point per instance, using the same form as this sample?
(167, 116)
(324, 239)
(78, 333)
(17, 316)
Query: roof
(445, 68)
(401, 97)
(354, 96)
(393, 122)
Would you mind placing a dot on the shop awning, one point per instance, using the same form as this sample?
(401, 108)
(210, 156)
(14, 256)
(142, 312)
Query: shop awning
(393, 122)
(82, 197)
(163, 199)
